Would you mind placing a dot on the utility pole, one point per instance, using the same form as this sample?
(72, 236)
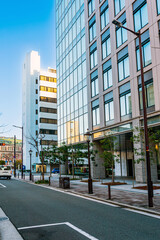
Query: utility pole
(14, 155)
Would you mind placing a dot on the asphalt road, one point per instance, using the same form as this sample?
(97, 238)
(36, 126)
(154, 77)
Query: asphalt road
(71, 218)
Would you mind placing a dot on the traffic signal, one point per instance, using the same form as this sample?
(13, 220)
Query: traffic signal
(2, 144)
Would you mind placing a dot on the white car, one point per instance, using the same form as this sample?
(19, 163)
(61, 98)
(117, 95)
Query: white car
(6, 171)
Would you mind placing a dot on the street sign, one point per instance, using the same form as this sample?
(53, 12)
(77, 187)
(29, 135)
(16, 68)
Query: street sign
(24, 167)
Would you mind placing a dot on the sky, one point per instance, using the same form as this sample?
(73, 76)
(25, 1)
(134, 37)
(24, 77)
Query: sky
(24, 26)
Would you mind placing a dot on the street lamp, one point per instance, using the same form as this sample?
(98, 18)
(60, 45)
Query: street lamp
(149, 182)
(22, 149)
(30, 152)
(90, 186)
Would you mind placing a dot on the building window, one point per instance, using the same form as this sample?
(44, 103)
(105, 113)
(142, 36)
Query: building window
(36, 122)
(93, 55)
(36, 81)
(48, 120)
(95, 113)
(36, 101)
(109, 107)
(92, 28)
(36, 91)
(104, 11)
(36, 111)
(48, 89)
(36, 133)
(94, 84)
(91, 6)
(48, 110)
(48, 99)
(146, 50)
(140, 14)
(118, 5)
(121, 33)
(158, 7)
(125, 99)
(123, 64)
(106, 44)
(107, 75)
(48, 79)
(48, 131)
(149, 91)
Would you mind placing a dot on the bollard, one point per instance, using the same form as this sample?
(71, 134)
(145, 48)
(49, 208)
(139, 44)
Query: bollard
(18, 175)
(24, 176)
(49, 181)
(32, 178)
(109, 191)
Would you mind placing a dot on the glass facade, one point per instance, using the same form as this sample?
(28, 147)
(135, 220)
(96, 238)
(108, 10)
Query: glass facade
(121, 33)
(146, 50)
(140, 14)
(125, 99)
(71, 71)
(91, 6)
(109, 107)
(123, 64)
(106, 44)
(104, 11)
(107, 75)
(119, 5)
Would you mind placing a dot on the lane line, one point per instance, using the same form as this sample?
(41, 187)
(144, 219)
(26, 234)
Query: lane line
(2, 185)
(143, 213)
(73, 194)
(39, 226)
(63, 223)
(81, 231)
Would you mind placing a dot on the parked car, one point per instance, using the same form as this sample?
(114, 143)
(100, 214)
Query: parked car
(55, 170)
(6, 171)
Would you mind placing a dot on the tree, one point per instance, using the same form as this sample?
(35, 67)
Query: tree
(63, 154)
(2, 162)
(51, 155)
(36, 143)
(109, 156)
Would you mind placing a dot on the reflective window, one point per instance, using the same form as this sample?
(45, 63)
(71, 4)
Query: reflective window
(106, 44)
(93, 55)
(118, 5)
(92, 28)
(94, 83)
(91, 6)
(158, 6)
(123, 64)
(95, 113)
(109, 107)
(146, 50)
(104, 11)
(107, 75)
(149, 91)
(125, 100)
(140, 14)
(121, 33)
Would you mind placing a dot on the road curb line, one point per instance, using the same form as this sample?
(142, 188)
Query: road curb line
(122, 205)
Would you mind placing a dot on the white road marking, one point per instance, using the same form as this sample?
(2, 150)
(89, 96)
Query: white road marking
(74, 194)
(63, 223)
(81, 231)
(143, 213)
(44, 225)
(2, 185)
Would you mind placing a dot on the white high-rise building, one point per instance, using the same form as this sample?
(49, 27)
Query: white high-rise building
(39, 110)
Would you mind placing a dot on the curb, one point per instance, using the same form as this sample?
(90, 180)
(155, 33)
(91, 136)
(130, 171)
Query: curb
(122, 205)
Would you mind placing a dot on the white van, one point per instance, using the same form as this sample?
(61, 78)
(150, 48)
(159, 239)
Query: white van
(6, 171)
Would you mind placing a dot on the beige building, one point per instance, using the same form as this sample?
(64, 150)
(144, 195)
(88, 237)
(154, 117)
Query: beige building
(113, 74)
(7, 151)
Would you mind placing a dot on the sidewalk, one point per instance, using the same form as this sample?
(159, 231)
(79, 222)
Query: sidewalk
(121, 194)
(7, 230)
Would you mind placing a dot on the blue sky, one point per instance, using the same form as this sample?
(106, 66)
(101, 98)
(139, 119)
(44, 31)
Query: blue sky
(24, 26)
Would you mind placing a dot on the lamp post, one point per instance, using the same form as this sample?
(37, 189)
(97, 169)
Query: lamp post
(14, 155)
(30, 152)
(90, 186)
(22, 149)
(149, 182)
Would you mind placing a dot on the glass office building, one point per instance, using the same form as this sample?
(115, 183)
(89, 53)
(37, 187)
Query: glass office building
(71, 71)
(96, 57)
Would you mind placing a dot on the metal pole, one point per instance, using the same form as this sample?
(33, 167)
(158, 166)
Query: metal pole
(22, 154)
(14, 155)
(90, 188)
(30, 167)
(149, 182)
